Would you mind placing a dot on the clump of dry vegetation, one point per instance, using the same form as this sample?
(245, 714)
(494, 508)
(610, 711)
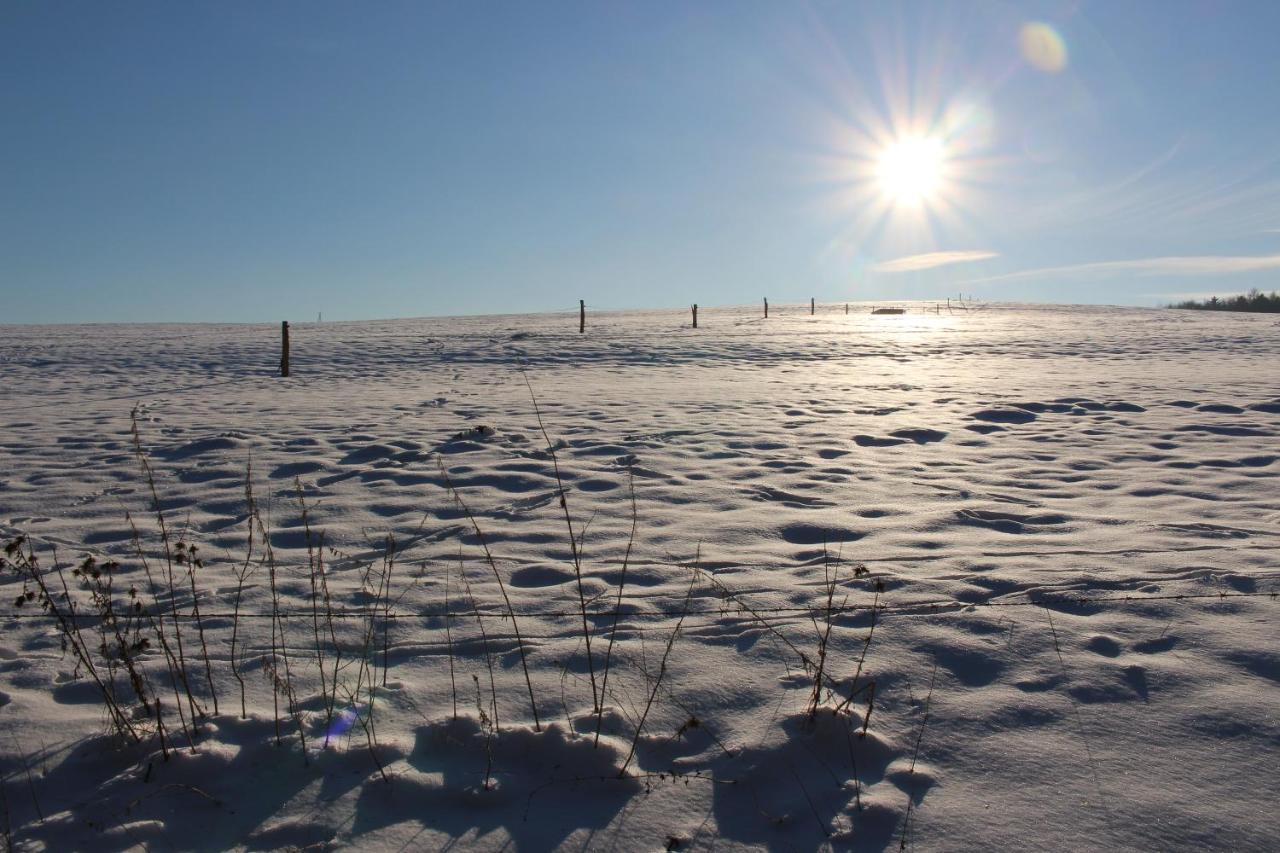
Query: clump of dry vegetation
(139, 634)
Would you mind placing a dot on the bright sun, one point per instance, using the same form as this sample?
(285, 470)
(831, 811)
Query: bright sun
(911, 170)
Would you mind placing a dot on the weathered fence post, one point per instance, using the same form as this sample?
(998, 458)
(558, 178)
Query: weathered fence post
(846, 309)
(284, 347)
(810, 306)
(695, 315)
(766, 308)
(582, 316)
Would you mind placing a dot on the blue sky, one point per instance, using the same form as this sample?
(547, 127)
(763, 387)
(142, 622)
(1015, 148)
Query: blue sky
(250, 162)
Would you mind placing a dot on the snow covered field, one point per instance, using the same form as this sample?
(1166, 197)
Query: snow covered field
(1058, 525)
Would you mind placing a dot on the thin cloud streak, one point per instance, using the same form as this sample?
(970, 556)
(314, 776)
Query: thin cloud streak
(928, 261)
(1192, 265)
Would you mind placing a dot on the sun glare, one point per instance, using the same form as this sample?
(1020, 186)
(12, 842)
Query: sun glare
(910, 171)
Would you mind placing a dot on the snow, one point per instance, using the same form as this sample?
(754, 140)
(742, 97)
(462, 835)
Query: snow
(1058, 524)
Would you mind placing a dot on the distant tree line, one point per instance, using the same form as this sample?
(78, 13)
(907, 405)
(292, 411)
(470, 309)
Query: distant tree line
(1254, 300)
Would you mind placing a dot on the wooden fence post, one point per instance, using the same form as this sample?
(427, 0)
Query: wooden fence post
(582, 316)
(846, 309)
(766, 308)
(695, 315)
(284, 348)
(810, 306)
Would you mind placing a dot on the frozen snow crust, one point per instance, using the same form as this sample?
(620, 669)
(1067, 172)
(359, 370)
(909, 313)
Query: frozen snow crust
(1031, 548)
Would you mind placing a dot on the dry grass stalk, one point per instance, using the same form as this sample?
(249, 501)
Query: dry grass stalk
(148, 475)
(502, 587)
(915, 753)
(657, 682)
(829, 581)
(188, 555)
(490, 727)
(870, 686)
(281, 685)
(156, 619)
(617, 605)
(315, 567)
(390, 562)
(242, 574)
(448, 636)
(574, 548)
(6, 821)
(484, 644)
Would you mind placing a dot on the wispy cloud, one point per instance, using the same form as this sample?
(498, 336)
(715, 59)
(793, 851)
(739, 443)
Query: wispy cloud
(911, 263)
(1190, 265)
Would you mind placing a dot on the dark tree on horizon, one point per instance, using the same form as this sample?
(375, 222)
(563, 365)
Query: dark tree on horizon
(1255, 301)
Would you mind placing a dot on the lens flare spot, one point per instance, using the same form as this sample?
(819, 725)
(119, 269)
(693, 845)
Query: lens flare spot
(342, 723)
(1042, 47)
